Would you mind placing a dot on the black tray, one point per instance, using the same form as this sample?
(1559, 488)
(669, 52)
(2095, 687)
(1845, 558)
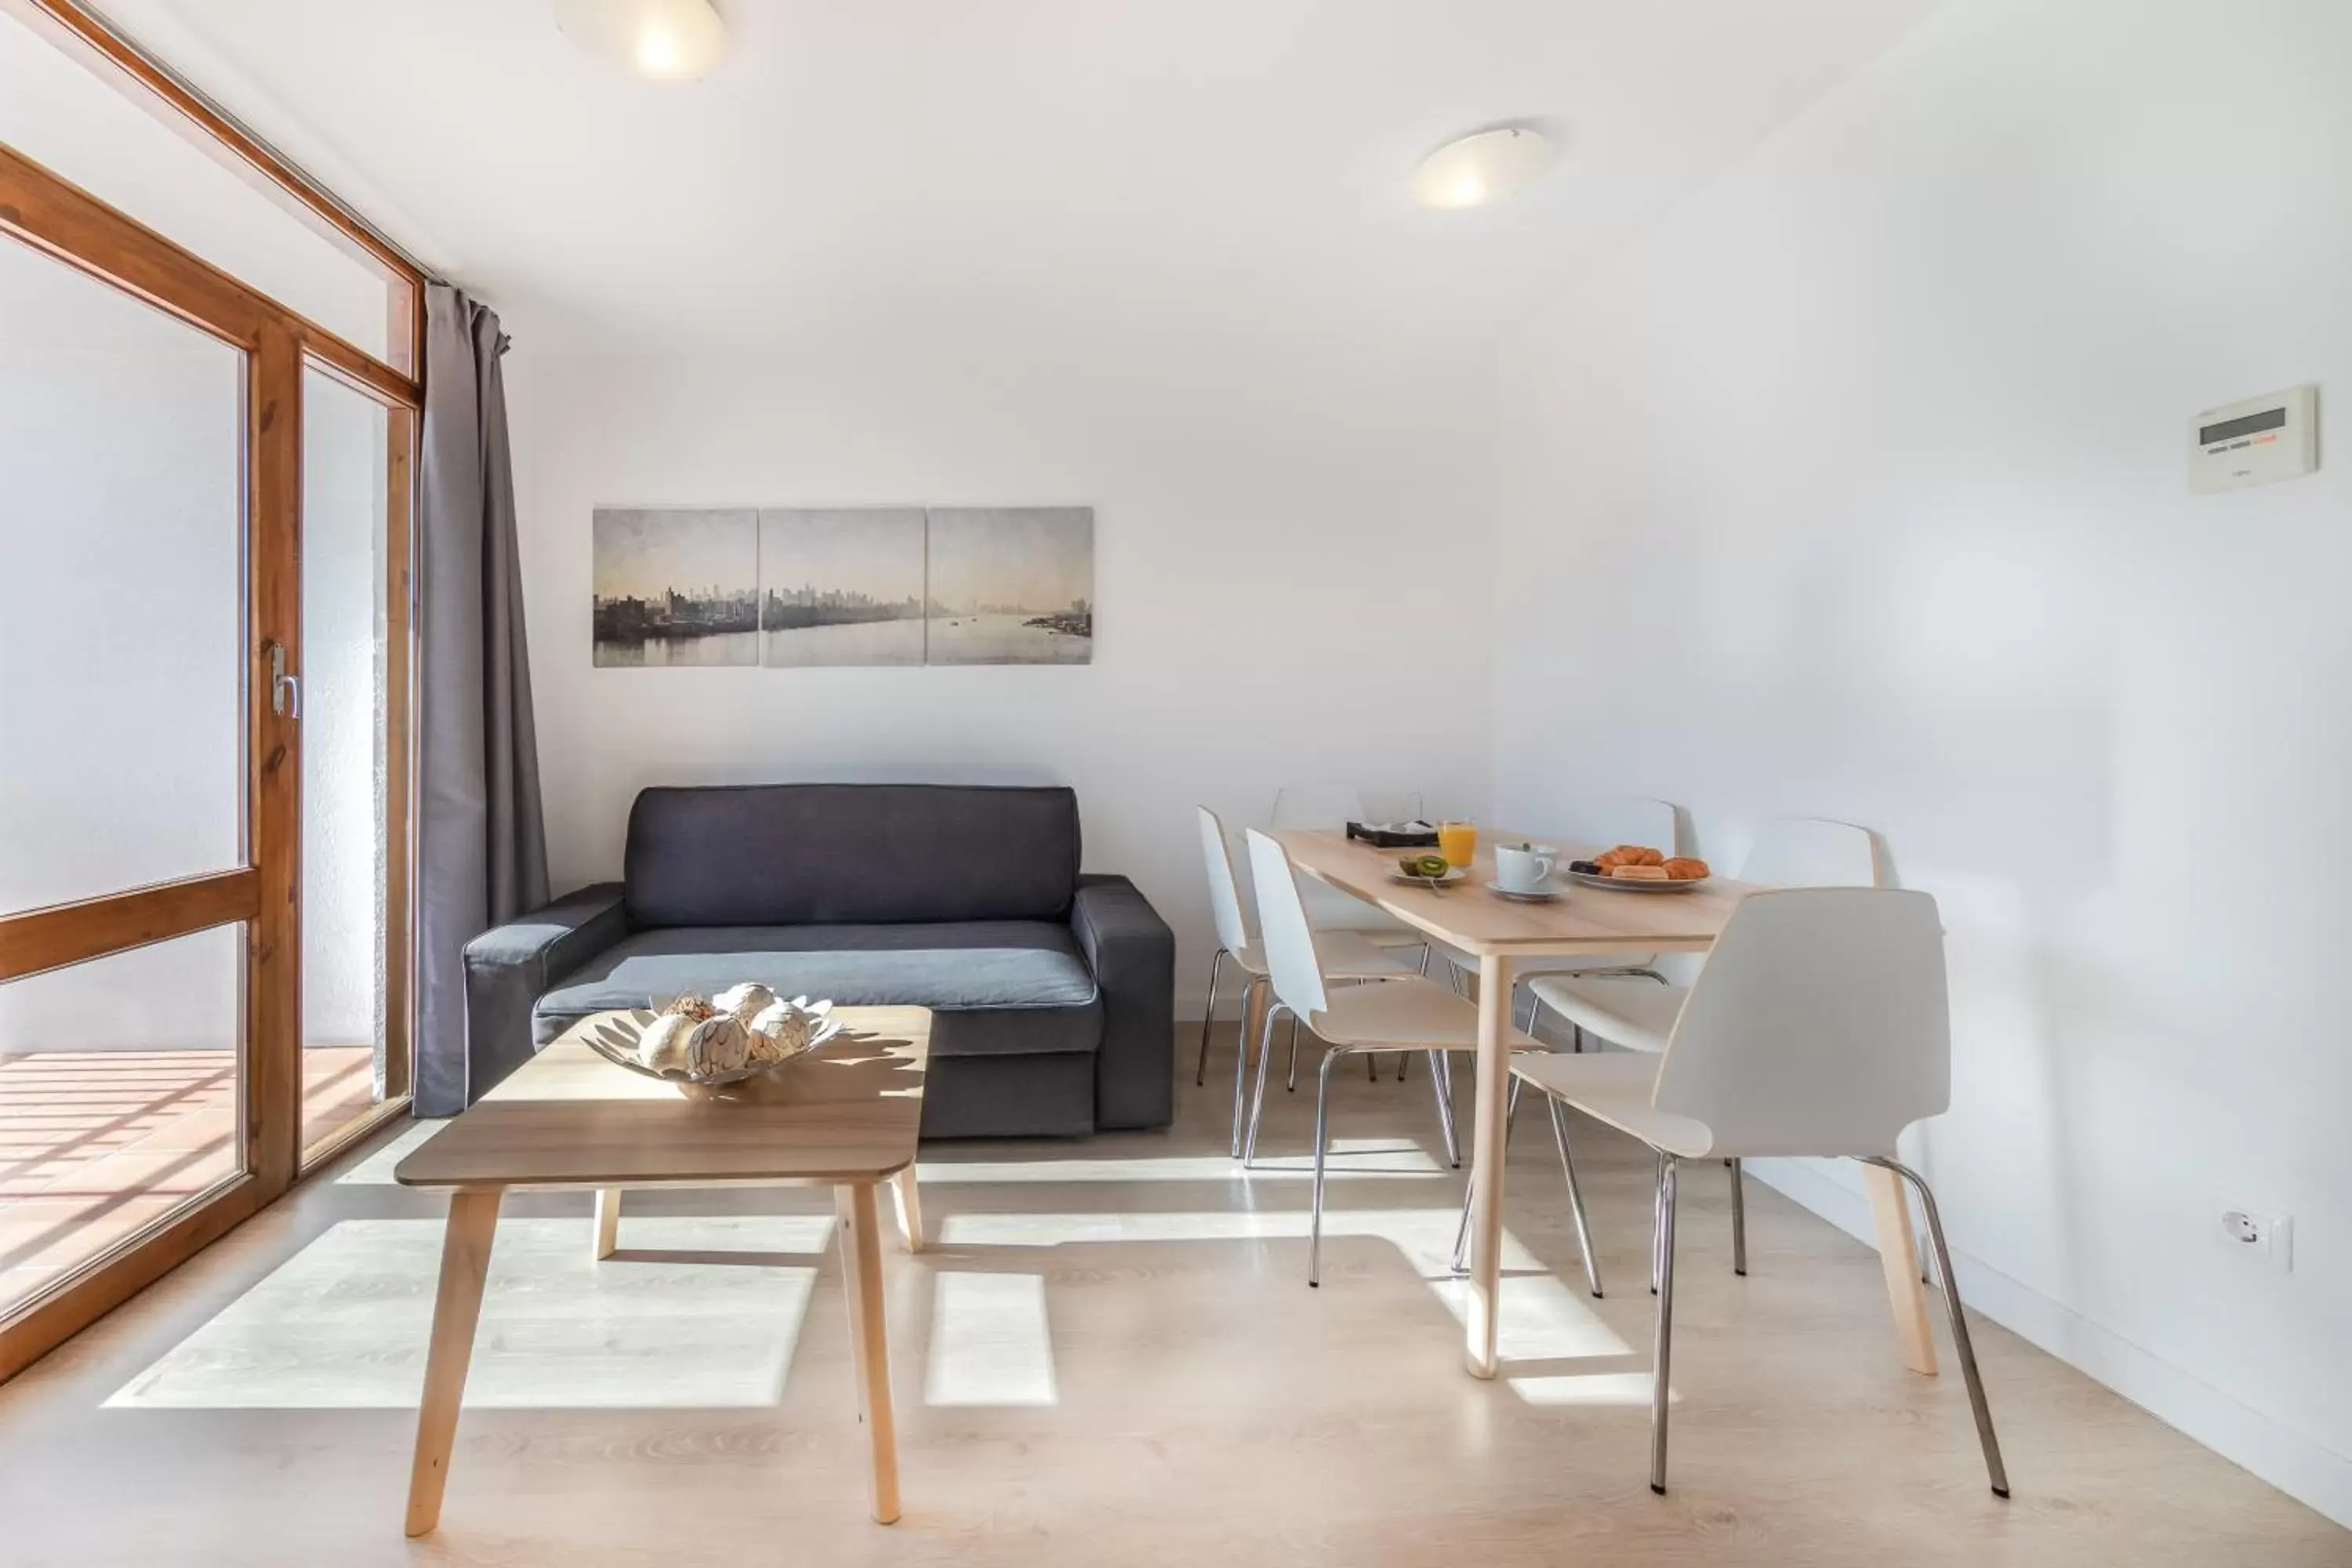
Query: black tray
(1383, 838)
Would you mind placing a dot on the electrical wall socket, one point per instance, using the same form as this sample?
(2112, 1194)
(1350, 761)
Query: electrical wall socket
(2270, 1237)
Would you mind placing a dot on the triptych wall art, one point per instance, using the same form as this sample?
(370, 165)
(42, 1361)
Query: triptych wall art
(796, 587)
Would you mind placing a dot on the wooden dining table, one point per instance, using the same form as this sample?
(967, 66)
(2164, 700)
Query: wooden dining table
(1583, 922)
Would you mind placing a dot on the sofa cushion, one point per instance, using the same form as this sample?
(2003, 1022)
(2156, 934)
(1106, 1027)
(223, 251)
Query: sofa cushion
(998, 987)
(772, 855)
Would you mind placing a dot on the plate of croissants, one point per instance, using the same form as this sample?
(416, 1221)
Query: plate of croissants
(1638, 869)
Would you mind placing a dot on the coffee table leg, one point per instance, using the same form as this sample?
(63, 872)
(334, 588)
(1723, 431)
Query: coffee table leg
(608, 1221)
(465, 1262)
(861, 1270)
(909, 1204)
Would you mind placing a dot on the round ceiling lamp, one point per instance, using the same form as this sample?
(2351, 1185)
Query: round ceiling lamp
(1484, 168)
(666, 40)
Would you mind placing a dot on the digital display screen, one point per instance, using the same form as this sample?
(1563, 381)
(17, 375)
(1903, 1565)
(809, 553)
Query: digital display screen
(2229, 429)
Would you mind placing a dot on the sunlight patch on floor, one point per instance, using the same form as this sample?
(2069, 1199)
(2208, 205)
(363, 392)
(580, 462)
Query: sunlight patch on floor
(990, 1341)
(1597, 1388)
(694, 1313)
(1350, 1158)
(1425, 1235)
(1543, 1318)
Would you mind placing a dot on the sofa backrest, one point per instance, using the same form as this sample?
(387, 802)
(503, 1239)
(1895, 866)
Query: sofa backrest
(850, 854)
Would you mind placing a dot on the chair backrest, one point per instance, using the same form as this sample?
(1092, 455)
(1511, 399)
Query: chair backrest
(1225, 893)
(1821, 1024)
(1290, 957)
(1807, 852)
(1317, 806)
(1604, 822)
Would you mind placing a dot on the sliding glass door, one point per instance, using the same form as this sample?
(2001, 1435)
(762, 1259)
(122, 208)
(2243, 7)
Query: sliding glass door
(355, 463)
(124, 759)
(205, 581)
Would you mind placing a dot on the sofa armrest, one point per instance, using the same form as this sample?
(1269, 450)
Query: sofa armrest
(507, 968)
(1133, 955)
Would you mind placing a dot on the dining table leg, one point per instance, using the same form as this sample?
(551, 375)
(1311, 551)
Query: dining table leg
(1898, 1254)
(1487, 1151)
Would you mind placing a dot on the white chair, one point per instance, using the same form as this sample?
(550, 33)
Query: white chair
(1637, 1009)
(1597, 822)
(1349, 953)
(1819, 1027)
(1407, 1014)
(1335, 805)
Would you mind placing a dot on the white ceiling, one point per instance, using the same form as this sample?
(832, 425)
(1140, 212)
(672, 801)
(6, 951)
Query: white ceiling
(999, 170)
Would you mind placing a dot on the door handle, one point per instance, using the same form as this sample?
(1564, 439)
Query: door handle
(285, 690)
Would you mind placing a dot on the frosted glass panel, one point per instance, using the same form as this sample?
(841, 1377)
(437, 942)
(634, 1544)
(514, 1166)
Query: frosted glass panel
(343, 643)
(121, 591)
(61, 114)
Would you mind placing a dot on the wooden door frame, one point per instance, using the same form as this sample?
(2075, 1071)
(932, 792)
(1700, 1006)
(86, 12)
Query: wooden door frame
(40, 209)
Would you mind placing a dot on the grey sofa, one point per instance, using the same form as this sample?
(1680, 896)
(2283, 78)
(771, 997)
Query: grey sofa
(1052, 992)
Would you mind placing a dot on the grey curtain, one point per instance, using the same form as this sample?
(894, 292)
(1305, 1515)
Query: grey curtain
(482, 850)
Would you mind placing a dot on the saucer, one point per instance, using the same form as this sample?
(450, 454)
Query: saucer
(1542, 896)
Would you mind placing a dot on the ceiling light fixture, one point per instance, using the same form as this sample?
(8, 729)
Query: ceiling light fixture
(666, 40)
(1484, 168)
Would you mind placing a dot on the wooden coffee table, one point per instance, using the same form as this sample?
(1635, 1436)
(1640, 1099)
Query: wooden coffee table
(844, 1116)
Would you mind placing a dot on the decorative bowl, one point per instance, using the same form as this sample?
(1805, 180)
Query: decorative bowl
(784, 1030)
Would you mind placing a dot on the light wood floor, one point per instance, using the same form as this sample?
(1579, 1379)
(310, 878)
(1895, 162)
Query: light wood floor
(95, 1146)
(1110, 1357)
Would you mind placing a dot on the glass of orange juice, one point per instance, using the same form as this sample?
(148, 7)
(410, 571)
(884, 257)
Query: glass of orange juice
(1458, 841)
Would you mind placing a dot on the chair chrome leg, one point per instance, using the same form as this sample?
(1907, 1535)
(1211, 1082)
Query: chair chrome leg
(1242, 1056)
(1290, 1083)
(1658, 1238)
(1738, 1220)
(1663, 1355)
(1372, 1066)
(1576, 1039)
(1510, 1117)
(1575, 1196)
(1208, 1016)
(1983, 1412)
(1265, 1070)
(1322, 1128)
(1444, 1110)
(1404, 1064)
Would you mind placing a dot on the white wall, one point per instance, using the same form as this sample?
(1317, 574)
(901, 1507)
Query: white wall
(1855, 488)
(1258, 520)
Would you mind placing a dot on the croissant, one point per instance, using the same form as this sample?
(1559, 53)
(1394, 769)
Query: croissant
(1640, 873)
(1686, 869)
(1629, 854)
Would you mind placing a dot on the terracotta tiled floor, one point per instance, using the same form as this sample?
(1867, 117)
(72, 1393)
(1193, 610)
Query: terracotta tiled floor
(94, 1146)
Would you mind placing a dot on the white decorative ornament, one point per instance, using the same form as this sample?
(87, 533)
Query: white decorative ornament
(745, 1002)
(662, 1047)
(719, 1045)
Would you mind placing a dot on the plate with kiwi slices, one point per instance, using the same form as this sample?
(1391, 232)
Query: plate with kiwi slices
(1426, 871)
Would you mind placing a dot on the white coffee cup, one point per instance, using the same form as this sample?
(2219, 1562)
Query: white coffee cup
(1523, 868)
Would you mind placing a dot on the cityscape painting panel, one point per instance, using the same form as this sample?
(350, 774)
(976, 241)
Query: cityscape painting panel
(803, 587)
(841, 587)
(1012, 586)
(677, 587)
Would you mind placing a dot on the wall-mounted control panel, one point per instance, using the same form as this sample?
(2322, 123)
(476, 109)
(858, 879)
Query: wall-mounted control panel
(2255, 441)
